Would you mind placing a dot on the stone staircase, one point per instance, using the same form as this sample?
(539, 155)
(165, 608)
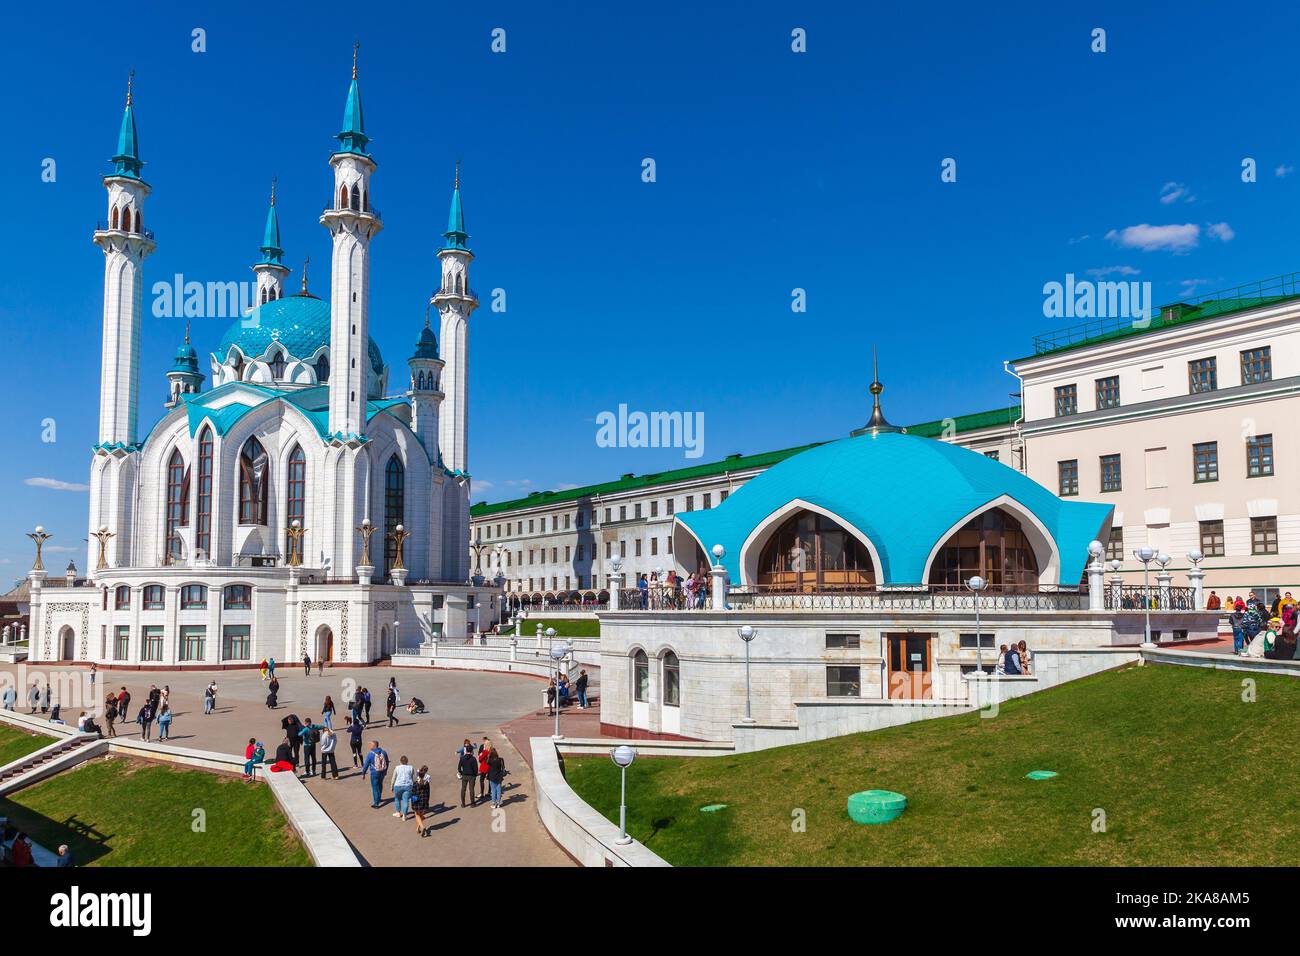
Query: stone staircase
(41, 763)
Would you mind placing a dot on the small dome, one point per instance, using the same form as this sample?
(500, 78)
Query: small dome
(187, 360)
(300, 323)
(427, 346)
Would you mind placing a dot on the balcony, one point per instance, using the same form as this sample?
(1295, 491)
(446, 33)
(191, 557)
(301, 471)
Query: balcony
(372, 212)
(103, 226)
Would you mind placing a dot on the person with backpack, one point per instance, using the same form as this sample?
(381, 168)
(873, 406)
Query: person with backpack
(310, 736)
(467, 772)
(496, 774)
(328, 741)
(355, 730)
(144, 717)
(403, 780)
(376, 765)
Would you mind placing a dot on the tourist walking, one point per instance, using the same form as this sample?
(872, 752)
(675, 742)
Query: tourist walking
(144, 717)
(310, 736)
(10, 697)
(45, 698)
(484, 749)
(355, 729)
(420, 800)
(210, 697)
(327, 711)
(34, 696)
(328, 742)
(354, 706)
(165, 722)
(270, 667)
(391, 706)
(94, 672)
(403, 779)
(123, 702)
(467, 771)
(581, 686)
(496, 774)
(110, 713)
(320, 667)
(365, 701)
(376, 764)
(1238, 621)
(306, 665)
(263, 668)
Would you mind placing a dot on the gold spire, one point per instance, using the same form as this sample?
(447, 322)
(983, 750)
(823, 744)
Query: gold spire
(355, 46)
(187, 333)
(129, 77)
(305, 261)
(272, 190)
(457, 185)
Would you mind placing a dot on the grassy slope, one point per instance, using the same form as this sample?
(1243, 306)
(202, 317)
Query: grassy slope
(15, 743)
(579, 627)
(1185, 770)
(144, 811)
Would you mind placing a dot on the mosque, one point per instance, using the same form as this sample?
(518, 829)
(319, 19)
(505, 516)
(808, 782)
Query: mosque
(311, 501)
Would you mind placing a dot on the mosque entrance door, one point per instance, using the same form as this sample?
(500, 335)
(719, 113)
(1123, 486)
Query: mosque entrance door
(324, 644)
(908, 659)
(68, 644)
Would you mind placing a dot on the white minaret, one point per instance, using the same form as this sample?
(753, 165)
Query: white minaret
(270, 269)
(126, 244)
(353, 222)
(454, 302)
(426, 390)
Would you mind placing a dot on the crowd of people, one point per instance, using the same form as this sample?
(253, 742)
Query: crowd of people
(690, 593)
(1259, 629)
(1014, 660)
(566, 695)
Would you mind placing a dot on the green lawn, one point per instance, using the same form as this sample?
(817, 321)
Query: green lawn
(15, 743)
(1185, 771)
(121, 812)
(564, 627)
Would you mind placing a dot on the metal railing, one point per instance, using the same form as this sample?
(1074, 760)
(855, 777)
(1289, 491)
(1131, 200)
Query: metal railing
(102, 225)
(1249, 295)
(1135, 597)
(909, 600)
(372, 211)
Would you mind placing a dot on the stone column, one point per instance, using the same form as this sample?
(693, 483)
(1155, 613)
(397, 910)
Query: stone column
(1096, 585)
(1163, 578)
(454, 617)
(615, 586)
(1196, 577)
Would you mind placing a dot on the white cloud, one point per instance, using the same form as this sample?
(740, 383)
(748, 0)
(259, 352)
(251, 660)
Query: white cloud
(62, 549)
(1188, 287)
(519, 482)
(1149, 238)
(1283, 171)
(1078, 239)
(56, 484)
(1114, 270)
(1220, 230)
(1172, 192)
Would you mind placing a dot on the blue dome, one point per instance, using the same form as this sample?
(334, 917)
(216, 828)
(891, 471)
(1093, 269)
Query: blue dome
(905, 494)
(300, 323)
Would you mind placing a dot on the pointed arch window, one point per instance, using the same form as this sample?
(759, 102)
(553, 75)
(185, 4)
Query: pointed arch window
(811, 552)
(343, 196)
(277, 366)
(253, 483)
(296, 490)
(139, 220)
(203, 512)
(992, 544)
(237, 366)
(394, 507)
(126, 218)
(178, 503)
(355, 203)
(113, 219)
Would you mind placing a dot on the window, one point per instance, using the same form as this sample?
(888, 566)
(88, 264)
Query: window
(1205, 461)
(295, 504)
(637, 544)
(151, 643)
(969, 640)
(253, 483)
(277, 366)
(622, 548)
(636, 512)
(1108, 392)
(554, 555)
(192, 640)
(608, 549)
(622, 512)
(1256, 365)
(672, 680)
(708, 500)
(1212, 539)
(1259, 456)
(668, 507)
(394, 507)
(582, 550)
(690, 502)
(203, 516)
(654, 508)
(1067, 477)
(194, 597)
(1115, 545)
(640, 677)
(153, 597)
(1110, 473)
(237, 597)
(654, 547)
(530, 526)
(723, 496)
(1067, 400)
(122, 598)
(843, 641)
(988, 454)
(843, 681)
(1202, 375)
(322, 369)
(235, 642)
(178, 495)
(121, 643)
(1263, 535)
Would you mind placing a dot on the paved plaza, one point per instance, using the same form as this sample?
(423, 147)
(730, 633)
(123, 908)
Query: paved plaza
(460, 704)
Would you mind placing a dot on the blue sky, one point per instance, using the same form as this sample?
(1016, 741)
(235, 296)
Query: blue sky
(775, 171)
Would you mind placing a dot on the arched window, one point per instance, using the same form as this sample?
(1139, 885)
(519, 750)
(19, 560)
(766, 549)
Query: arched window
(343, 196)
(355, 203)
(672, 680)
(810, 552)
(991, 544)
(323, 369)
(394, 506)
(277, 366)
(112, 220)
(203, 513)
(126, 218)
(365, 200)
(237, 597)
(253, 483)
(139, 220)
(640, 677)
(122, 598)
(237, 366)
(296, 490)
(194, 597)
(178, 501)
(154, 597)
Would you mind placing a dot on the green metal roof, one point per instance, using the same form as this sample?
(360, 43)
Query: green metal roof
(963, 423)
(1211, 305)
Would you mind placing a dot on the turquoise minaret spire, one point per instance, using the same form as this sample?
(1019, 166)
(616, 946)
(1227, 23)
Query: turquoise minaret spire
(270, 269)
(352, 137)
(456, 235)
(272, 253)
(127, 160)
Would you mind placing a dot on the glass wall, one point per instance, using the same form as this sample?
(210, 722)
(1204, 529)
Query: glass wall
(992, 545)
(811, 552)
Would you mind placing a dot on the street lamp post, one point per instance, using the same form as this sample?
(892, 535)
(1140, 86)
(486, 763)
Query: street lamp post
(976, 585)
(622, 756)
(396, 640)
(746, 633)
(557, 654)
(1146, 555)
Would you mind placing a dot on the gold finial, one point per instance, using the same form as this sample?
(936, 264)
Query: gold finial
(187, 333)
(876, 387)
(129, 77)
(306, 260)
(272, 190)
(457, 186)
(355, 46)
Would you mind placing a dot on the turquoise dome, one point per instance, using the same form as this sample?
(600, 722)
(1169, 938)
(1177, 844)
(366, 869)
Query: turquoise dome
(427, 346)
(300, 323)
(905, 494)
